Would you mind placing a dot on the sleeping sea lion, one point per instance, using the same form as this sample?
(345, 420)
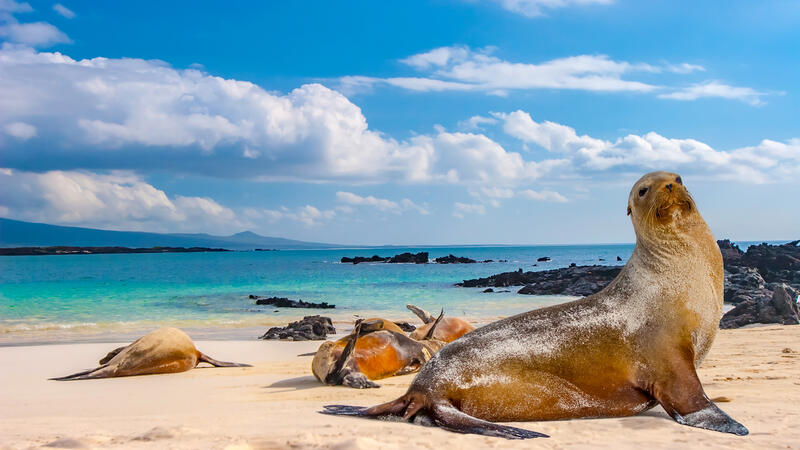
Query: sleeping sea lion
(448, 330)
(631, 346)
(166, 350)
(372, 352)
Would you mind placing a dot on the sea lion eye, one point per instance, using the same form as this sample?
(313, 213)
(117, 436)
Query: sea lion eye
(642, 191)
(678, 180)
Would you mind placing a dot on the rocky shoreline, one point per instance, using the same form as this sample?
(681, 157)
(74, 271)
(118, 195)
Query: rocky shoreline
(65, 250)
(763, 283)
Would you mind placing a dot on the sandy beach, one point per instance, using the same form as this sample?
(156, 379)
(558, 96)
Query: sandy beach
(274, 404)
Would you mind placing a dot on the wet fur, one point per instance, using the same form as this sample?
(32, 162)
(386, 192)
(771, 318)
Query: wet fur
(621, 351)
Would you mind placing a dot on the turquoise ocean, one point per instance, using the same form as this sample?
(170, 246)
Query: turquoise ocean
(70, 298)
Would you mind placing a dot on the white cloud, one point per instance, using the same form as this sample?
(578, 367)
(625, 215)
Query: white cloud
(37, 34)
(118, 200)
(536, 8)
(460, 209)
(20, 130)
(769, 161)
(545, 196)
(476, 123)
(380, 204)
(718, 90)
(307, 215)
(63, 11)
(144, 115)
(460, 68)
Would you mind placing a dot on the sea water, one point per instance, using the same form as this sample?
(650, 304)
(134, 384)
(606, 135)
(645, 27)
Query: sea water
(67, 298)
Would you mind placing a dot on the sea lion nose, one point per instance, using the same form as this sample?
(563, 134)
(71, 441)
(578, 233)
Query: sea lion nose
(669, 187)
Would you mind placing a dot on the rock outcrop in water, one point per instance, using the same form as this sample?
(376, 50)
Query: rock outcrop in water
(452, 259)
(311, 328)
(283, 302)
(415, 258)
(579, 280)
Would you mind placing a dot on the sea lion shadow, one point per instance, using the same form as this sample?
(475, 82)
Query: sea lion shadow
(296, 383)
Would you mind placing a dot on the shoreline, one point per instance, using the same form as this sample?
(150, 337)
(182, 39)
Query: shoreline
(274, 404)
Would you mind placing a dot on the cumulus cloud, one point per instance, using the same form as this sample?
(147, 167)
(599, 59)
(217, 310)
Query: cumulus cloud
(380, 204)
(63, 11)
(116, 200)
(719, 90)
(768, 161)
(20, 130)
(134, 114)
(536, 8)
(460, 209)
(37, 34)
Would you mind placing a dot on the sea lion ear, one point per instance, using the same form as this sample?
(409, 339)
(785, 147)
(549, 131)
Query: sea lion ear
(629, 210)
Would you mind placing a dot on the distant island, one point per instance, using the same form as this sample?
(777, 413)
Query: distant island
(64, 250)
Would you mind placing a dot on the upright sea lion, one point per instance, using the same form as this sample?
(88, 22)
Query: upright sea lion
(616, 353)
(372, 352)
(448, 330)
(166, 350)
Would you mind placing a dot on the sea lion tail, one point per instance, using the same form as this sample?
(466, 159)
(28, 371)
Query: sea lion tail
(415, 407)
(207, 359)
(97, 372)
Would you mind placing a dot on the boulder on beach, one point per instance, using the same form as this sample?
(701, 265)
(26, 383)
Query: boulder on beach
(780, 307)
(283, 302)
(311, 328)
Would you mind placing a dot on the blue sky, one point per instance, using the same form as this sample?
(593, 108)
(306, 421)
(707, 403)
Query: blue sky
(442, 122)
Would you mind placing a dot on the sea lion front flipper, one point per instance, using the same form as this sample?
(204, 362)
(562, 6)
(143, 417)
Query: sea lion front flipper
(207, 359)
(682, 397)
(112, 354)
(342, 372)
(358, 380)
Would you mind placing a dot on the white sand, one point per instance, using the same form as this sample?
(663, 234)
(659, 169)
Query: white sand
(274, 404)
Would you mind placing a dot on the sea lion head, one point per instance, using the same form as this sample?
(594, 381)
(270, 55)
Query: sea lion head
(660, 206)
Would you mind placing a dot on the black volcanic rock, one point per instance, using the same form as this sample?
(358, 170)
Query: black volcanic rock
(418, 258)
(283, 302)
(744, 283)
(543, 258)
(360, 259)
(776, 263)
(731, 254)
(780, 307)
(578, 281)
(450, 259)
(311, 328)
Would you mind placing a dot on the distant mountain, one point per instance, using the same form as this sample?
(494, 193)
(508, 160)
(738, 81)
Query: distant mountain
(15, 233)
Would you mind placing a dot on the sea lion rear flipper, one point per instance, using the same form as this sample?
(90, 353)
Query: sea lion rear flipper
(449, 418)
(98, 372)
(421, 313)
(682, 397)
(207, 359)
(429, 334)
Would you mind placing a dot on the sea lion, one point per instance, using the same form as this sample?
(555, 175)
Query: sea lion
(448, 330)
(166, 350)
(372, 352)
(616, 353)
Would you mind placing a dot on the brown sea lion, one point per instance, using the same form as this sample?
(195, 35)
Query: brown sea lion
(166, 350)
(633, 345)
(372, 352)
(448, 330)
